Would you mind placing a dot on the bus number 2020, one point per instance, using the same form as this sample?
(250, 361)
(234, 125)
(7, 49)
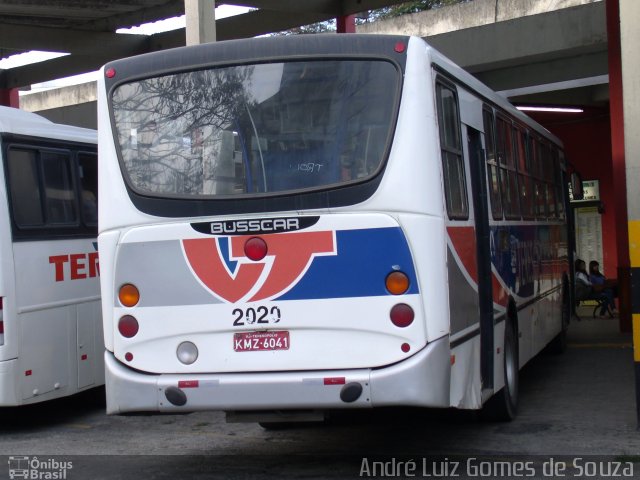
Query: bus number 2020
(260, 315)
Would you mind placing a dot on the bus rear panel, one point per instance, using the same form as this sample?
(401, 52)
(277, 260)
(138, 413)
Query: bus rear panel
(277, 233)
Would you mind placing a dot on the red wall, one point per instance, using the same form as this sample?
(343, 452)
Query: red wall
(587, 143)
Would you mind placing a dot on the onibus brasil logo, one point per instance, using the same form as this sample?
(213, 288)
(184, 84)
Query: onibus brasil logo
(38, 469)
(223, 268)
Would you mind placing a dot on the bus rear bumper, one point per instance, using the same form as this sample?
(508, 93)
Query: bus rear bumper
(421, 380)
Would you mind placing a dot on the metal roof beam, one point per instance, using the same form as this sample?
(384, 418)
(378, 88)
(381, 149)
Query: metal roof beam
(164, 9)
(50, 69)
(329, 7)
(333, 8)
(246, 25)
(102, 15)
(350, 7)
(21, 37)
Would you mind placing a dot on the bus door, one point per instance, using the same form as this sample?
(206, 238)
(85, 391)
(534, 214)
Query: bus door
(483, 254)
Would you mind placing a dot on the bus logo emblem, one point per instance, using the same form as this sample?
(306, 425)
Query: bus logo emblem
(222, 267)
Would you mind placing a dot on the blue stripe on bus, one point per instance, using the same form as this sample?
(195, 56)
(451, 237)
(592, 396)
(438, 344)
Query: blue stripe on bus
(364, 259)
(525, 255)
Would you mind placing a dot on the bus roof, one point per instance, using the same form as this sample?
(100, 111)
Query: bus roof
(19, 122)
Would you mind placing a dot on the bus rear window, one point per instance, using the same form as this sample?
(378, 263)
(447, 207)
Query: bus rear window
(256, 129)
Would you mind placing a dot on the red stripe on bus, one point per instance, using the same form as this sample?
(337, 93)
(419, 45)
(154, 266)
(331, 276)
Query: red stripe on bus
(500, 294)
(464, 243)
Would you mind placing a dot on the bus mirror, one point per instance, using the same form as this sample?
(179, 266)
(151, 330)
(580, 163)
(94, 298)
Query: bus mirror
(576, 186)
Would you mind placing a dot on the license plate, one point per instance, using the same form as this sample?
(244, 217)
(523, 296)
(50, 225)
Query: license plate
(261, 341)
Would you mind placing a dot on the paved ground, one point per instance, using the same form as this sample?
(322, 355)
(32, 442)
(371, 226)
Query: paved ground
(578, 404)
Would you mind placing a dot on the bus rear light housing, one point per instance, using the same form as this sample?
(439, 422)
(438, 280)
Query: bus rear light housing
(402, 315)
(128, 326)
(397, 283)
(129, 295)
(400, 47)
(255, 249)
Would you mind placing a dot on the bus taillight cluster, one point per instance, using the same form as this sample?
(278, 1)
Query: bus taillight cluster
(401, 314)
(128, 326)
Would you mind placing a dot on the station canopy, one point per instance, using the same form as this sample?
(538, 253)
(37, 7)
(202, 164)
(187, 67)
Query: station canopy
(85, 30)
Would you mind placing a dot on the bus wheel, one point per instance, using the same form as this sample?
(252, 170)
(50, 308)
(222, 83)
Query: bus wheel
(503, 406)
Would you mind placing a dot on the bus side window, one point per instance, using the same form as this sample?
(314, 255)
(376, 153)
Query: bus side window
(51, 189)
(60, 198)
(540, 189)
(508, 175)
(25, 190)
(558, 158)
(451, 148)
(492, 164)
(88, 166)
(524, 177)
(549, 178)
(534, 152)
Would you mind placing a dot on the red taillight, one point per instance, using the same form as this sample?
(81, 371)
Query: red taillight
(255, 249)
(402, 315)
(110, 72)
(128, 326)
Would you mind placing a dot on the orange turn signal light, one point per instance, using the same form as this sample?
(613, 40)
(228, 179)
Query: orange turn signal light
(128, 295)
(397, 283)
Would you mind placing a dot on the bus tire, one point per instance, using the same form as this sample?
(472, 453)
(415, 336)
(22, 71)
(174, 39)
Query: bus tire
(503, 406)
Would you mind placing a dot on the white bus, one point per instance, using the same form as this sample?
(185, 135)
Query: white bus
(50, 318)
(310, 223)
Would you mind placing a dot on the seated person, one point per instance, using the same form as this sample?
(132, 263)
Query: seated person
(597, 278)
(586, 290)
